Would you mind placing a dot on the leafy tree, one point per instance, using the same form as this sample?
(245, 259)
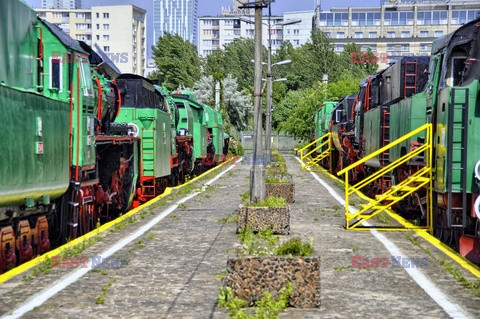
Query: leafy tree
(238, 104)
(177, 62)
(296, 111)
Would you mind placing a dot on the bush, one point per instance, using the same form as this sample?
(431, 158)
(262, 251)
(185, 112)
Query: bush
(271, 201)
(235, 148)
(295, 247)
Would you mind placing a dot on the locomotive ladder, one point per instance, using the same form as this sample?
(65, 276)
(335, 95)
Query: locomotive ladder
(386, 180)
(325, 145)
(457, 152)
(421, 179)
(412, 76)
(147, 179)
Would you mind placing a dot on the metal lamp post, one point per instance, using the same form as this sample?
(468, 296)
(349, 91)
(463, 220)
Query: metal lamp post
(257, 172)
(270, 76)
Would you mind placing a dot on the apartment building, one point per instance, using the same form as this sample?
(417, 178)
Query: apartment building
(120, 31)
(397, 28)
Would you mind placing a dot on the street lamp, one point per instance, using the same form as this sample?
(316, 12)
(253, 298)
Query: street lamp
(257, 172)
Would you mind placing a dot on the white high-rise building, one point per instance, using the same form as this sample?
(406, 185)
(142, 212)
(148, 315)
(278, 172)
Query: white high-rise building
(61, 4)
(175, 17)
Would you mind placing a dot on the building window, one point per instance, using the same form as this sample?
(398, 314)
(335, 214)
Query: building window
(106, 15)
(296, 42)
(98, 15)
(328, 34)
(98, 37)
(391, 34)
(56, 73)
(459, 16)
(340, 35)
(98, 26)
(405, 47)
(334, 19)
(405, 34)
(432, 17)
(358, 35)
(106, 48)
(390, 47)
(373, 18)
(423, 46)
(296, 31)
(359, 18)
(373, 47)
(106, 27)
(423, 34)
(438, 33)
(106, 37)
(372, 35)
(339, 47)
(80, 15)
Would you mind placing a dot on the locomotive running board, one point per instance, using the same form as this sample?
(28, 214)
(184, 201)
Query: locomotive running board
(421, 179)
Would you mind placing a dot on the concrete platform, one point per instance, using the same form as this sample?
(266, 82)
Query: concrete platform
(172, 270)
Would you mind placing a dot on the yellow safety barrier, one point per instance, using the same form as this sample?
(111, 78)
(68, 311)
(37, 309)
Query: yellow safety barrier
(325, 147)
(420, 179)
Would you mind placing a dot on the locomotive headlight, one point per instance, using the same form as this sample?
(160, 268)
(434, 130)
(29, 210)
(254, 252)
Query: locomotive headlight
(476, 207)
(477, 170)
(132, 130)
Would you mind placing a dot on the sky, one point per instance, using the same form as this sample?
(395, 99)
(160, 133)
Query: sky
(214, 7)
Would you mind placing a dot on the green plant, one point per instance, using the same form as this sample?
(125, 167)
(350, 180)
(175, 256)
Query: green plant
(275, 180)
(174, 217)
(182, 206)
(261, 244)
(230, 219)
(151, 236)
(140, 244)
(100, 300)
(295, 247)
(270, 201)
(267, 307)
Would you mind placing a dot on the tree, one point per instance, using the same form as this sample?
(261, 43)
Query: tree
(298, 108)
(238, 104)
(177, 62)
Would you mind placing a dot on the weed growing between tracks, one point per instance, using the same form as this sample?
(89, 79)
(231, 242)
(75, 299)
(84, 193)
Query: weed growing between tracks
(474, 286)
(100, 300)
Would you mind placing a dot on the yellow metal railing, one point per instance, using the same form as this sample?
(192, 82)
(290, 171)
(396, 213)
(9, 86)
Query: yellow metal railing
(421, 178)
(307, 150)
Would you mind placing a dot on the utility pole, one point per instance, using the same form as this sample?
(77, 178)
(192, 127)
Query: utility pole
(257, 172)
(268, 124)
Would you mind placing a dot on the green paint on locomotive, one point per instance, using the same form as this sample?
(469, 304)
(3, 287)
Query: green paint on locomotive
(408, 115)
(323, 117)
(65, 62)
(372, 134)
(155, 134)
(34, 144)
(214, 121)
(191, 118)
(458, 145)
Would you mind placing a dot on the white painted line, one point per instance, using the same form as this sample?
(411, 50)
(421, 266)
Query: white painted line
(452, 309)
(42, 296)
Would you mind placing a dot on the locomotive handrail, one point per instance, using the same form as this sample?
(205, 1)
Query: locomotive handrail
(427, 126)
(383, 202)
(302, 156)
